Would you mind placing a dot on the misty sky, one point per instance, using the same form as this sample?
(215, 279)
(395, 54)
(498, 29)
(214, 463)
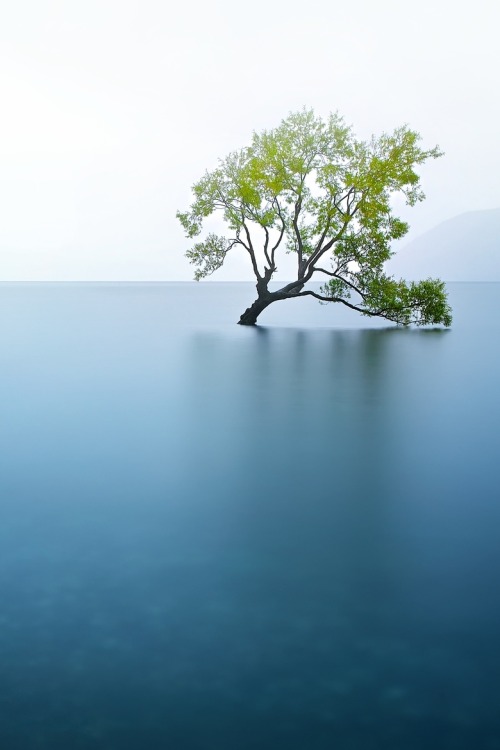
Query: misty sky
(111, 109)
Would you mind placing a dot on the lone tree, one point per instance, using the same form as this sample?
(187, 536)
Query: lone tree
(311, 187)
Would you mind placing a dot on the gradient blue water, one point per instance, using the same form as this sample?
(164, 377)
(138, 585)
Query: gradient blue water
(216, 538)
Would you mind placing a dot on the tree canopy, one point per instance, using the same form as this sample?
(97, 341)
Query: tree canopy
(309, 187)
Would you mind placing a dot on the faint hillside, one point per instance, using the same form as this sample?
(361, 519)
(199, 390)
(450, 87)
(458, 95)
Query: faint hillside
(465, 248)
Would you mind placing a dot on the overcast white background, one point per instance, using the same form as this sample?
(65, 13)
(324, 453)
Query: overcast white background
(111, 109)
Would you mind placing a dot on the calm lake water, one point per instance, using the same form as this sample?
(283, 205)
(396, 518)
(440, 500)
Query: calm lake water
(221, 538)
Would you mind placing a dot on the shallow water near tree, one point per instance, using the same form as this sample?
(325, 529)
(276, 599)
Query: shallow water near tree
(216, 537)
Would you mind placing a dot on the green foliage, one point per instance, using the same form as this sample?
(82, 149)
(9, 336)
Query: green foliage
(420, 303)
(208, 255)
(310, 186)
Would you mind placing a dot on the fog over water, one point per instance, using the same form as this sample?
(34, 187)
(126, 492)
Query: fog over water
(217, 537)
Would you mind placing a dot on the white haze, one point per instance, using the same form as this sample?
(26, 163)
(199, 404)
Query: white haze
(111, 110)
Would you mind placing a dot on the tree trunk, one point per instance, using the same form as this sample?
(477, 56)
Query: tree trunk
(249, 317)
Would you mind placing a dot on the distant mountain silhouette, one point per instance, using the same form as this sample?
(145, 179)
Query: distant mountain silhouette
(465, 248)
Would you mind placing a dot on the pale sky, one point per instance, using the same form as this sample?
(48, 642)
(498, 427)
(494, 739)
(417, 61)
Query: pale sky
(111, 109)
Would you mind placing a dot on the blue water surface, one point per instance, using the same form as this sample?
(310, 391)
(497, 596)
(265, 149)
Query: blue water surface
(225, 538)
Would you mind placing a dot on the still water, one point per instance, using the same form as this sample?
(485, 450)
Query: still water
(220, 538)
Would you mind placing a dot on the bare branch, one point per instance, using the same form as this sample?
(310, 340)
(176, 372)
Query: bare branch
(322, 250)
(266, 245)
(282, 232)
(323, 298)
(324, 233)
(323, 270)
(300, 246)
(249, 248)
(336, 275)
